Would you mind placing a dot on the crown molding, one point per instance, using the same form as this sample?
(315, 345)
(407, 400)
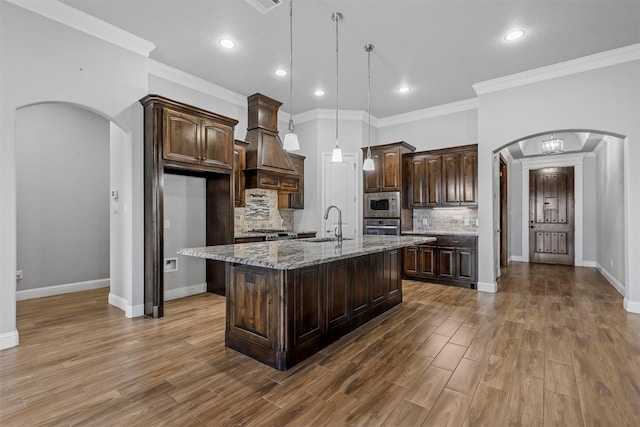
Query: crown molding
(429, 113)
(574, 66)
(196, 83)
(327, 114)
(74, 18)
(556, 160)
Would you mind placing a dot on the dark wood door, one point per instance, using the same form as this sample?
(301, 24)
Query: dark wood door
(551, 216)
(428, 263)
(308, 315)
(372, 178)
(417, 181)
(466, 264)
(411, 260)
(359, 285)
(433, 180)
(216, 144)
(468, 181)
(337, 293)
(446, 263)
(504, 213)
(180, 137)
(392, 260)
(390, 172)
(378, 288)
(450, 176)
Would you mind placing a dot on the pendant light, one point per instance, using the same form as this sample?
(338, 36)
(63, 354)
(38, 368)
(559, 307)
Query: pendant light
(291, 139)
(368, 162)
(337, 152)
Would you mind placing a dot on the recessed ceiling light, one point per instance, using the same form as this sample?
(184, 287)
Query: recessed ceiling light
(318, 92)
(281, 72)
(514, 35)
(227, 43)
(404, 89)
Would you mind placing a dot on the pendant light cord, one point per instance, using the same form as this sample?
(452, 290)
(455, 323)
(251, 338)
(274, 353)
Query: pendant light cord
(291, 66)
(337, 18)
(369, 47)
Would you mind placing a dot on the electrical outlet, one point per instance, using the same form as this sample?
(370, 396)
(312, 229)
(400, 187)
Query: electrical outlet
(425, 221)
(466, 221)
(611, 262)
(167, 223)
(18, 274)
(477, 222)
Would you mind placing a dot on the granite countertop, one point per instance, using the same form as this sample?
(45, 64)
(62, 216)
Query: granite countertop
(439, 233)
(292, 254)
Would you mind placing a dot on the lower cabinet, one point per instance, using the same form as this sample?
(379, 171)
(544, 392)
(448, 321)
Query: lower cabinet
(282, 317)
(450, 260)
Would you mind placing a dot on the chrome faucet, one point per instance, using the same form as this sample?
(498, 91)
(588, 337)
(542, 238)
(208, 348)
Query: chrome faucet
(326, 216)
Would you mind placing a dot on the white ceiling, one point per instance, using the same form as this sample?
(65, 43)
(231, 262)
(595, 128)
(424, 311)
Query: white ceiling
(439, 48)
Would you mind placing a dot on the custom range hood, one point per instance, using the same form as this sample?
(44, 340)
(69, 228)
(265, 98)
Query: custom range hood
(268, 164)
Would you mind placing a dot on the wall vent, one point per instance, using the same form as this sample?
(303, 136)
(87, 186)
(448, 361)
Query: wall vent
(264, 6)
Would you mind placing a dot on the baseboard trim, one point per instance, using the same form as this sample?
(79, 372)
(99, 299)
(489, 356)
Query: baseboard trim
(129, 310)
(589, 264)
(67, 288)
(632, 306)
(9, 339)
(613, 281)
(487, 287)
(516, 258)
(185, 291)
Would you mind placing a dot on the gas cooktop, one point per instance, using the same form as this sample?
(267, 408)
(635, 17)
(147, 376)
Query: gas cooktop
(275, 234)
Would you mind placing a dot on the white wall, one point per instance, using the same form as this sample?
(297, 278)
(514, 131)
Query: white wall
(609, 186)
(184, 208)
(62, 173)
(449, 130)
(606, 99)
(44, 61)
(589, 199)
(514, 190)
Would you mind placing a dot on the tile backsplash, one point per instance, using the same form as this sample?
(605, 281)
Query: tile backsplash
(261, 211)
(446, 219)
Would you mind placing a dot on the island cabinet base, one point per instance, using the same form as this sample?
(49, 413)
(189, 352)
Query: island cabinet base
(281, 317)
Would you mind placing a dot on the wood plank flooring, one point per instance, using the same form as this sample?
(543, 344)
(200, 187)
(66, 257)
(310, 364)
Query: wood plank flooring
(553, 348)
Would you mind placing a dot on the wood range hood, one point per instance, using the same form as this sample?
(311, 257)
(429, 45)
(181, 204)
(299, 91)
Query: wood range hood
(268, 165)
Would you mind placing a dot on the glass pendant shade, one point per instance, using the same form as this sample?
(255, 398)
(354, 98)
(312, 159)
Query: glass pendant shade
(290, 142)
(368, 164)
(552, 145)
(336, 157)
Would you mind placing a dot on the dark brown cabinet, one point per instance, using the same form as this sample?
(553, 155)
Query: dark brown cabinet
(194, 139)
(294, 199)
(443, 178)
(283, 317)
(184, 139)
(387, 175)
(450, 260)
(239, 164)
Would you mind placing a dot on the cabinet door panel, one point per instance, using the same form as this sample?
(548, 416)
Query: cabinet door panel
(446, 263)
(337, 294)
(417, 181)
(239, 164)
(217, 144)
(307, 306)
(376, 269)
(359, 285)
(433, 180)
(253, 308)
(180, 137)
(428, 261)
(392, 271)
(466, 264)
(450, 179)
(411, 255)
(372, 178)
(391, 170)
(468, 186)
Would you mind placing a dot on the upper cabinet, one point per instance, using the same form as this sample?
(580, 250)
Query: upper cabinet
(443, 177)
(387, 175)
(192, 138)
(239, 164)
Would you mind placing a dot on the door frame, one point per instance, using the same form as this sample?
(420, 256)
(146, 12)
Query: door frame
(560, 160)
(504, 212)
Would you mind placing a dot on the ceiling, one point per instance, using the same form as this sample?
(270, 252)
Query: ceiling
(438, 48)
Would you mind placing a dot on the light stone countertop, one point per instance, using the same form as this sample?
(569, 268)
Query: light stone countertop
(253, 234)
(292, 254)
(439, 233)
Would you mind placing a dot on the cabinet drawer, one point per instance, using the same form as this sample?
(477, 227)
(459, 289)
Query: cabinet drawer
(457, 241)
(289, 184)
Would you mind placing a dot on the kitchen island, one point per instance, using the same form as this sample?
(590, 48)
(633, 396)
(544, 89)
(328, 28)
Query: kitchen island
(287, 299)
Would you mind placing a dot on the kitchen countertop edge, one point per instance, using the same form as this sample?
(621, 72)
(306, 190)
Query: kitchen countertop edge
(439, 233)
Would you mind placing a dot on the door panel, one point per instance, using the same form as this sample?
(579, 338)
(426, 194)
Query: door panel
(551, 216)
(340, 189)
(433, 180)
(217, 144)
(180, 139)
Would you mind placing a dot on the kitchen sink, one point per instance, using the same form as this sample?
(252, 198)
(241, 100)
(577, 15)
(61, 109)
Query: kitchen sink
(324, 239)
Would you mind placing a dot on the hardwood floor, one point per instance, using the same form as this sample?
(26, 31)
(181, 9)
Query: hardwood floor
(554, 347)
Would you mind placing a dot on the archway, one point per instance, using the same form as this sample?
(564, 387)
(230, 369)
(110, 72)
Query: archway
(598, 160)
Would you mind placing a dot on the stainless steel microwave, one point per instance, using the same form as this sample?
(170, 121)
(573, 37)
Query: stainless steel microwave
(382, 205)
